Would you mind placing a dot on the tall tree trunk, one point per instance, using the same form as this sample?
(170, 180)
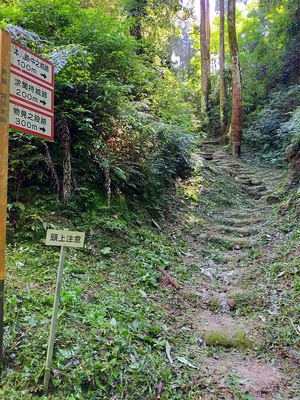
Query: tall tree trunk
(207, 25)
(205, 55)
(207, 29)
(222, 87)
(237, 101)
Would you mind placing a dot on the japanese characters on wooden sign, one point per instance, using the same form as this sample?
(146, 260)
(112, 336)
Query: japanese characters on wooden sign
(4, 96)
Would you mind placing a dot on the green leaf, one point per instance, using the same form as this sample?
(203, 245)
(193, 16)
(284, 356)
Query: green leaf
(105, 250)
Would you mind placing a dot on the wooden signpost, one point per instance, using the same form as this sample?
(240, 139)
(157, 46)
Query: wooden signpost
(5, 45)
(26, 105)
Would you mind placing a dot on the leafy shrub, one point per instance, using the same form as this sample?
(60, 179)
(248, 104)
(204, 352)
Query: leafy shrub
(147, 155)
(103, 136)
(268, 133)
(290, 130)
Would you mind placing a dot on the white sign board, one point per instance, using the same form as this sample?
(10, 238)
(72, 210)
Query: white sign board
(31, 93)
(64, 238)
(28, 91)
(30, 120)
(31, 64)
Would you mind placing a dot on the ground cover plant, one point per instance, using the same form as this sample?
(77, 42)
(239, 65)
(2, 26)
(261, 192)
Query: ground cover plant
(125, 332)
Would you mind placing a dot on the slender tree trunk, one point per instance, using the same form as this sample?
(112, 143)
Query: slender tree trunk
(237, 101)
(65, 139)
(222, 86)
(205, 52)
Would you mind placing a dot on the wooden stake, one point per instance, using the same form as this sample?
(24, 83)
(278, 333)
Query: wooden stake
(54, 318)
(5, 46)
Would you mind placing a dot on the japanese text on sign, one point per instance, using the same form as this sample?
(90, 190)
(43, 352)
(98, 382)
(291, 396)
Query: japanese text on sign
(64, 238)
(27, 62)
(31, 93)
(29, 120)
(4, 98)
(25, 89)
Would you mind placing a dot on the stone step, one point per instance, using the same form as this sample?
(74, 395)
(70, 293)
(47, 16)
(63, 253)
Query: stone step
(255, 191)
(221, 162)
(249, 180)
(210, 141)
(233, 257)
(206, 156)
(227, 169)
(241, 222)
(244, 213)
(238, 230)
(229, 242)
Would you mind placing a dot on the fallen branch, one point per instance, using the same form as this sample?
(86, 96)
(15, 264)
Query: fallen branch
(167, 275)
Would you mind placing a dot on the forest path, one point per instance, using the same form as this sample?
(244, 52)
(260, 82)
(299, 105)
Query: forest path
(227, 218)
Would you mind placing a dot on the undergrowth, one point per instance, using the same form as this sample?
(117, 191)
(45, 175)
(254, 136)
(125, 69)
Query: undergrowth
(112, 329)
(118, 333)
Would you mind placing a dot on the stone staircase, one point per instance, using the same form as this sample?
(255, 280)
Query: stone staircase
(230, 234)
(251, 182)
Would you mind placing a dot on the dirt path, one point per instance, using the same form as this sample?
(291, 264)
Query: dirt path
(227, 222)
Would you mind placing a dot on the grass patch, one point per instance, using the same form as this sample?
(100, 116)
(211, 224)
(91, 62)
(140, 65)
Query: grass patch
(112, 328)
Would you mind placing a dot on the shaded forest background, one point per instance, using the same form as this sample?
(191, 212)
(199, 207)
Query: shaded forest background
(128, 101)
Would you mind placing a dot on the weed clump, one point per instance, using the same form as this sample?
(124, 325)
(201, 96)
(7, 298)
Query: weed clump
(223, 339)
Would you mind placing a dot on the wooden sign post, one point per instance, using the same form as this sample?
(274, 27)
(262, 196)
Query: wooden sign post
(5, 48)
(19, 69)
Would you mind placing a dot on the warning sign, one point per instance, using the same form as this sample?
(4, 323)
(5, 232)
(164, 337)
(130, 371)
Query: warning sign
(64, 238)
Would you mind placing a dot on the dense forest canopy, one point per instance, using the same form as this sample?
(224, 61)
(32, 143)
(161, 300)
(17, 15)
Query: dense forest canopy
(126, 112)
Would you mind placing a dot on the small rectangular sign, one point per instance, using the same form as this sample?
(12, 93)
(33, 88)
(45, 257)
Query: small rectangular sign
(30, 120)
(64, 238)
(31, 64)
(30, 92)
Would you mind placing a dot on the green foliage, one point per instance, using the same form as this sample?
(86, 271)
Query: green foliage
(153, 26)
(102, 136)
(111, 330)
(124, 131)
(285, 306)
(290, 130)
(118, 319)
(275, 127)
(269, 47)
